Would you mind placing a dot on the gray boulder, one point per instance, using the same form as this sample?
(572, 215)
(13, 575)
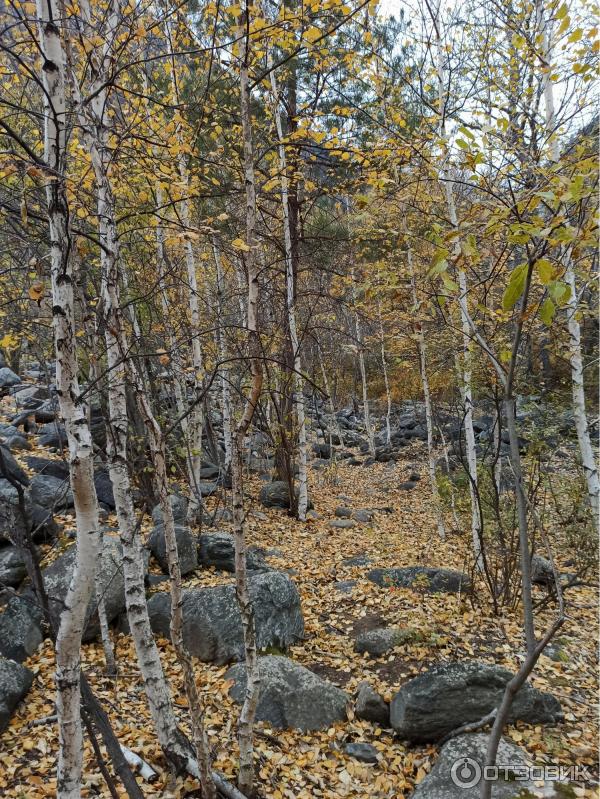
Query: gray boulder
(212, 625)
(209, 471)
(217, 550)
(27, 393)
(12, 523)
(207, 488)
(104, 489)
(452, 778)
(322, 450)
(179, 505)
(17, 443)
(51, 492)
(7, 430)
(12, 567)
(58, 576)
(15, 682)
(52, 435)
(291, 696)
(8, 378)
(443, 698)
(47, 412)
(342, 524)
(20, 628)
(434, 581)
(10, 468)
(54, 468)
(187, 547)
(43, 525)
(541, 571)
(275, 495)
(369, 706)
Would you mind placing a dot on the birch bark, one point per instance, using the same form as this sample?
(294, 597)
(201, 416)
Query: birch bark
(426, 399)
(72, 409)
(586, 450)
(298, 398)
(466, 382)
(96, 125)
(248, 712)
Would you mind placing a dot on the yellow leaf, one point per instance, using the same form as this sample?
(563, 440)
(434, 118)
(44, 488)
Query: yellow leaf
(240, 244)
(8, 341)
(36, 291)
(312, 34)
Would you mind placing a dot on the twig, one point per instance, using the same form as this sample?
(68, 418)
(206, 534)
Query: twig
(472, 726)
(223, 785)
(138, 764)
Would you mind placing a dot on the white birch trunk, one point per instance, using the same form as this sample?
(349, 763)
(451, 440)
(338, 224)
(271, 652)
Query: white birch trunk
(426, 399)
(195, 420)
(298, 398)
(586, 450)
(363, 370)
(466, 387)
(72, 411)
(96, 126)
(248, 712)
(179, 387)
(334, 419)
(388, 396)
(223, 371)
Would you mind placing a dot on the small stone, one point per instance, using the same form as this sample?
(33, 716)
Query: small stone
(345, 586)
(362, 751)
(358, 560)
(342, 523)
(370, 706)
(343, 512)
(363, 516)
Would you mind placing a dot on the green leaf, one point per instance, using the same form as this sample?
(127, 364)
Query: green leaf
(545, 271)
(462, 144)
(559, 291)
(547, 311)
(515, 287)
(438, 263)
(449, 284)
(563, 234)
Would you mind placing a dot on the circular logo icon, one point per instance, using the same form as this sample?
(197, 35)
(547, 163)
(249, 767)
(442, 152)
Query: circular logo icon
(465, 773)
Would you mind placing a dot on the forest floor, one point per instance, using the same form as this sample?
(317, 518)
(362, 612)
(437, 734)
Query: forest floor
(297, 765)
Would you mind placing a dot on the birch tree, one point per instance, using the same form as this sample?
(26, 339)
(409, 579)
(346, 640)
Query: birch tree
(586, 450)
(298, 395)
(426, 395)
(466, 382)
(97, 125)
(250, 704)
(72, 408)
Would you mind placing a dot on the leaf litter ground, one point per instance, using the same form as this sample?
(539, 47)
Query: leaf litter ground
(294, 765)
